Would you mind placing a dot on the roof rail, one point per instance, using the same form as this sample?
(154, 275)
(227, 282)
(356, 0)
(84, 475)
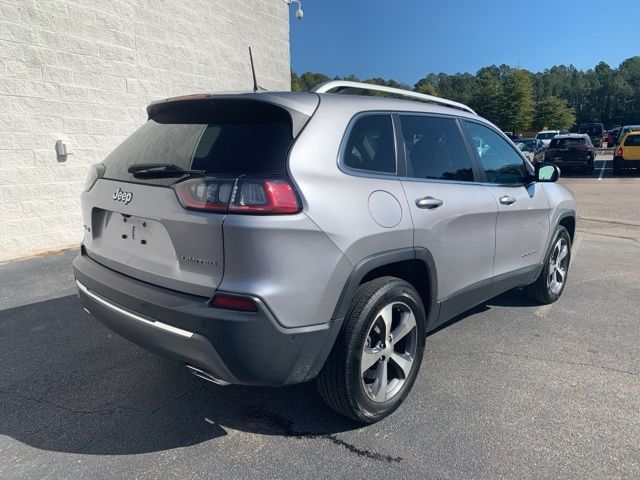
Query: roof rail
(346, 86)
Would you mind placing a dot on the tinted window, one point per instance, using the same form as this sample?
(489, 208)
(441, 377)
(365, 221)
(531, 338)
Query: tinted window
(221, 137)
(371, 146)
(501, 163)
(546, 136)
(435, 148)
(632, 141)
(568, 142)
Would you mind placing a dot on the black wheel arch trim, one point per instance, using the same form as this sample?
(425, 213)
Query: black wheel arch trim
(368, 264)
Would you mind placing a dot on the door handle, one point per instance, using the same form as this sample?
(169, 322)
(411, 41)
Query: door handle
(507, 200)
(428, 202)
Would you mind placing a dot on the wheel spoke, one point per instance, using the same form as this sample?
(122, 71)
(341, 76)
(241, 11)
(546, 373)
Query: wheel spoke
(563, 252)
(387, 316)
(379, 388)
(404, 361)
(369, 357)
(561, 273)
(407, 323)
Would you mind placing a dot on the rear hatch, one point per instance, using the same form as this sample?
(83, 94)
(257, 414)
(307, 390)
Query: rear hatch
(164, 226)
(568, 149)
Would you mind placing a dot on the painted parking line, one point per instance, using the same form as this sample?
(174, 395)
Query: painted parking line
(604, 164)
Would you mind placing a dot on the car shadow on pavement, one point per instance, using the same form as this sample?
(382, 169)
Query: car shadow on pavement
(69, 385)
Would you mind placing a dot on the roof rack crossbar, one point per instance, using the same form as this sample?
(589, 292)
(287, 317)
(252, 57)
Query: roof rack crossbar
(345, 86)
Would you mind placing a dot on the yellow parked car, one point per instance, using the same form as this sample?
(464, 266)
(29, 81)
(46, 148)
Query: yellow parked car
(628, 153)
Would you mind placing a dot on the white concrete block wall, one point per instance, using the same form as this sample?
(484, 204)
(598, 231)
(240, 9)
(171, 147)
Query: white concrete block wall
(83, 71)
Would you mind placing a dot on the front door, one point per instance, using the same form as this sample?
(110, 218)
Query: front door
(454, 217)
(523, 219)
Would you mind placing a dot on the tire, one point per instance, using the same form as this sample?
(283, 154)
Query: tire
(345, 383)
(544, 290)
(616, 167)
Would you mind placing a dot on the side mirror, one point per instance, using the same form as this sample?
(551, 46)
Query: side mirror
(547, 172)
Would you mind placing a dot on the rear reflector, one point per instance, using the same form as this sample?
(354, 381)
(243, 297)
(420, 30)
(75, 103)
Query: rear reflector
(261, 196)
(230, 302)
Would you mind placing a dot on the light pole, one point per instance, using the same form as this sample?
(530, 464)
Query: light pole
(299, 12)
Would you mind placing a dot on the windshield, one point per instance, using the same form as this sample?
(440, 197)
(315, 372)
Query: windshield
(546, 135)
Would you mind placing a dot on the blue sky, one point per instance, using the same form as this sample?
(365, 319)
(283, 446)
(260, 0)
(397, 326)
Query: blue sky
(405, 40)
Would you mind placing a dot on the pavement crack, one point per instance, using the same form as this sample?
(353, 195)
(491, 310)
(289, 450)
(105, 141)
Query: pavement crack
(287, 428)
(614, 222)
(566, 362)
(621, 237)
(74, 411)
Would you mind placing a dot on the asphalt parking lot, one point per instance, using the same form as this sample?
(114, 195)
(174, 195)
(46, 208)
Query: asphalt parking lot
(507, 390)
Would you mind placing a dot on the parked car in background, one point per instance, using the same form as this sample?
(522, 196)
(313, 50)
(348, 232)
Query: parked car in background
(574, 150)
(612, 135)
(627, 154)
(546, 135)
(624, 130)
(532, 148)
(595, 132)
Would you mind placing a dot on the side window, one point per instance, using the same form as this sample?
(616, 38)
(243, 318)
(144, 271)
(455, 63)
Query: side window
(435, 148)
(371, 145)
(501, 163)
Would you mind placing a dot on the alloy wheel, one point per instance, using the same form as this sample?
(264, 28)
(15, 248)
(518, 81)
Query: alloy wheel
(389, 351)
(558, 266)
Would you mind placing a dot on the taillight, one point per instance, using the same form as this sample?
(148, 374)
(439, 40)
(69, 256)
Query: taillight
(582, 149)
(619, 152)
(232, 302)
(211, 194)
(262, 196)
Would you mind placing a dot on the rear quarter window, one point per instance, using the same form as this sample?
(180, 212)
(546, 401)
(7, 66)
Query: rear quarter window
(632, 141)
(371, 145)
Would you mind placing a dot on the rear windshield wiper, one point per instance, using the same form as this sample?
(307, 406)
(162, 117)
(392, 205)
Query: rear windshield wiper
(161, 170)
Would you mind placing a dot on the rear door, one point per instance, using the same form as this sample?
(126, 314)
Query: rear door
(523, 219)
(136, 225)
(453, 216)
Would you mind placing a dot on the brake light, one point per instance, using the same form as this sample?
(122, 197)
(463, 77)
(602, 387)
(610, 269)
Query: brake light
(264, 196)
(232, 302)
(261, 196)
(619, 152)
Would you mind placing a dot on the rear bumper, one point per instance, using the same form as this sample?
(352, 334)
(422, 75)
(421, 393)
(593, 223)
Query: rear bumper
(231, 347)
(622, 163)
(571, 162)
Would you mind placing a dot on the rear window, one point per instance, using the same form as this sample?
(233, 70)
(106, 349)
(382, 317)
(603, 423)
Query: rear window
(567, 142)
(221, 137)
(591, 129)
(632, 141)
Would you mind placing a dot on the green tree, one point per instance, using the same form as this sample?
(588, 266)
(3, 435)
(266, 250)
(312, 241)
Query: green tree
(515, 111)
(487, 95)
(553, 112)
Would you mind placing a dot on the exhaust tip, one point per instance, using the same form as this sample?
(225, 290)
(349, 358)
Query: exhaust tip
(204, 375)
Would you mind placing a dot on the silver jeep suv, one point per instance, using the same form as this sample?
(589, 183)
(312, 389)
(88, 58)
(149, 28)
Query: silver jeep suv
(273, 238)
